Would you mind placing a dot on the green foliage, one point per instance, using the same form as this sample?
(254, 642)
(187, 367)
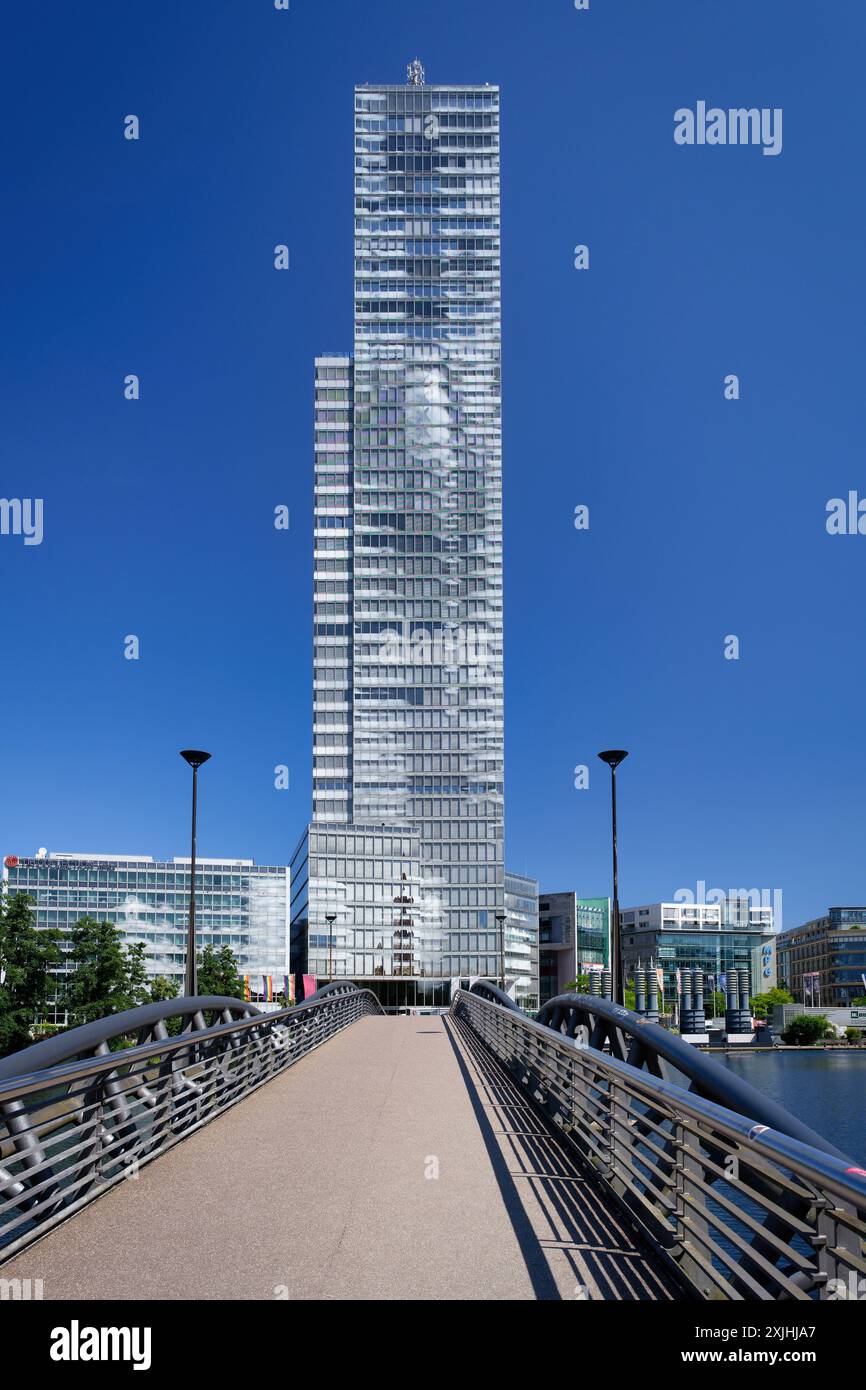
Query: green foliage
(27, 957)
(854, 1035)
(107, 978)
(805, 1029)
(762, 1005)
(162, 988)
(217, 973)
(578, 986)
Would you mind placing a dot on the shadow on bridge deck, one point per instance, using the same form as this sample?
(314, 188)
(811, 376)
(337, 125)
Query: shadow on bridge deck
(320, 1185)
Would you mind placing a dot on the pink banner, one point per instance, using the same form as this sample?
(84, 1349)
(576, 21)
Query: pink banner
(309, 985)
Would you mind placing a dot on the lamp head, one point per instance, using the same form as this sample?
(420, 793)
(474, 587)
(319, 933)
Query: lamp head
(613, 757)
(194, 756)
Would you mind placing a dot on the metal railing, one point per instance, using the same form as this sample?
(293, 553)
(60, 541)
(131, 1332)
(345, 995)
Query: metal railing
(742, 1209)
(84, 1110)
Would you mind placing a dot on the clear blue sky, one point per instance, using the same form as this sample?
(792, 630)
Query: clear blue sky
(707, 516)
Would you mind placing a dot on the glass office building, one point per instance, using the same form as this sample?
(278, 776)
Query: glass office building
(238, 904)
(521, 939)
(830, 952)
(574, 936)
(715, 936)
(407, 659)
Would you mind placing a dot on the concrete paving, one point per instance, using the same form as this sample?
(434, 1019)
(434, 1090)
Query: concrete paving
(398, 1161)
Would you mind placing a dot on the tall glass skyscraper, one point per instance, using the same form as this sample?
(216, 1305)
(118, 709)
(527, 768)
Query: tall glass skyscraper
(405, 848)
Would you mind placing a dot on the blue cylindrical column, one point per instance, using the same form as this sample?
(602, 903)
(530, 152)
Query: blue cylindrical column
(640, 991)
(652, 1005)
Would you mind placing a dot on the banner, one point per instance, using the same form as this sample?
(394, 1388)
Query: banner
(309, 985)
(247, 995)
(268, 989)
(289, 989)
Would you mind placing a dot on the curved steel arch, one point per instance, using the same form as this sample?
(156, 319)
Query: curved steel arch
(76, 1115)
(633, 1039)
(148, 1022)
(747, 1200)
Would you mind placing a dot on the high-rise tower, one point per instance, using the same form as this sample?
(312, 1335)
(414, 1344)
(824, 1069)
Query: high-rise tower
(408, 712)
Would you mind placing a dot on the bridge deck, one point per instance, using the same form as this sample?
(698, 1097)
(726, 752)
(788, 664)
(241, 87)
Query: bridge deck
(317, 1186)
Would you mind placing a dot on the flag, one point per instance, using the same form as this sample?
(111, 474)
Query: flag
(268, 989)
(679, 982)
(247, 995)
(289, 986)
(309, 985)
(660, 976)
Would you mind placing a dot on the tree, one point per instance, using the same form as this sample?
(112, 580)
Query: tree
(162, 988)
(762, 1005)
(715, 1003)
(854, 1035)
(578, 986)
(217, 973)
(806, 1029)
(28, 955)
(107, 977)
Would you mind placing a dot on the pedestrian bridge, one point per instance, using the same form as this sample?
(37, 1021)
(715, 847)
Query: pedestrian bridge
(331, 1151)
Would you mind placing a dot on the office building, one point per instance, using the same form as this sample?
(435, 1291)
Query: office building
(405, 848)
(521, 939)
(239, 904)
(715, 937)
(573, 936)
(824, 961)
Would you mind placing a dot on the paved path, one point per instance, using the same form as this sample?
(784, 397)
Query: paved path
(398, 1161)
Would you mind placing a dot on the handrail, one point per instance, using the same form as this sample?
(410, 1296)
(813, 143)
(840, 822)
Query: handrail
(69, 1131)
(651, 1045)
(76, 1042)
(741, 1208)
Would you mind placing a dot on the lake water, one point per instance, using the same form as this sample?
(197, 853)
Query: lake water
(827, 1090)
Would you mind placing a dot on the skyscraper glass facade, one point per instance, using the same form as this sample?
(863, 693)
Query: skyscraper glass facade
(408, 710)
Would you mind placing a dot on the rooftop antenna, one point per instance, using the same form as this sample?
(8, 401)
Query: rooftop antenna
(415, 73)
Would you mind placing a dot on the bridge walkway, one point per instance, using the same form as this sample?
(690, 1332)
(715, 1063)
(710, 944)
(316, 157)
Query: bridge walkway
(398, 1161)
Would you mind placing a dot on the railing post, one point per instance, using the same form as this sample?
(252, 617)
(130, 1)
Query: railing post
(835, 1236)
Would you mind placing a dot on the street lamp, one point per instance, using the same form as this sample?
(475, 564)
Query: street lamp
(195, 758)
(613, 757)
(330, 918)
(500, 917)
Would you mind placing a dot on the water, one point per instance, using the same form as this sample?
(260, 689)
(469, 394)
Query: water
(827, 1090)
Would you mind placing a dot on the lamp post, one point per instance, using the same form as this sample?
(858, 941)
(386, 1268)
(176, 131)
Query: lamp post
(613, 757)
(330, 918)
(195, 757)
(500, 917)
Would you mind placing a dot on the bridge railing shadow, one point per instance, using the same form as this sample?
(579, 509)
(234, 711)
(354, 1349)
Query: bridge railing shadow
(740, 1209)
(84, 1110)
